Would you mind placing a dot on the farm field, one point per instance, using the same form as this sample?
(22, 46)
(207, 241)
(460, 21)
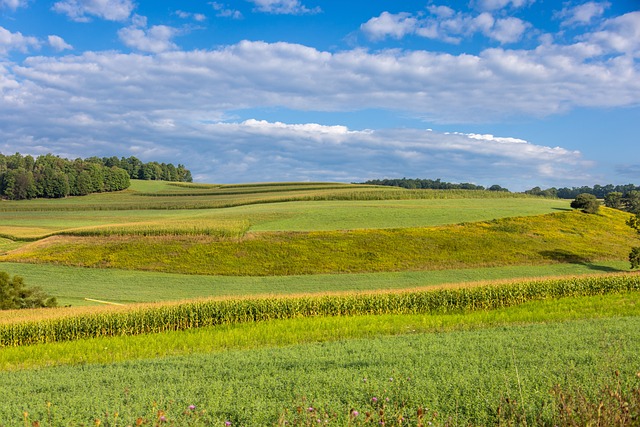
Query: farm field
(326, 296)
(76, 286)
(461, 375)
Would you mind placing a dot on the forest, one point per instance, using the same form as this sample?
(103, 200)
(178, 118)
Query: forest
(49, 176)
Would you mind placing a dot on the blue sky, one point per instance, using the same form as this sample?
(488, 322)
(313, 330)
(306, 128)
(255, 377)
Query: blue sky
(519, 93)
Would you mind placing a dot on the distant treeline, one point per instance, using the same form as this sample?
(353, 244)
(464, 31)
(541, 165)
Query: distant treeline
(430, 184)
(49, 176)
(600, 191)
(148, 171)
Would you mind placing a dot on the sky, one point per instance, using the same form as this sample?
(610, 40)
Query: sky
(518, 93)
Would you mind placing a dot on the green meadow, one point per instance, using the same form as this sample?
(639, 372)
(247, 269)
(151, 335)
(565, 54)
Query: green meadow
(318, 303)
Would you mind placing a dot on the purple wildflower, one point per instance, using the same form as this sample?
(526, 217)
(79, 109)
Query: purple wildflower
(374, 399)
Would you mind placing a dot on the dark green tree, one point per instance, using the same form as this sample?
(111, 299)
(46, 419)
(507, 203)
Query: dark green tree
(614, 200)
(634, 255)
(15, 294)
(587, 203)
(632, 201)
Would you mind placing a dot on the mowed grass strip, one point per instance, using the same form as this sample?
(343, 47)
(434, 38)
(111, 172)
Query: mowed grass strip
(72, 285)
(285, 332)
(188, 315)
(554, 238)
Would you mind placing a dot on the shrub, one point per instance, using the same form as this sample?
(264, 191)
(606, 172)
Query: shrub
(586, 202)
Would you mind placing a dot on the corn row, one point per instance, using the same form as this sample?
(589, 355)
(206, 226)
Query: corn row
(216, 312)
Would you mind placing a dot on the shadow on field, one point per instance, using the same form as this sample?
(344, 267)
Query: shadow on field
(571, 258)
(562, 209)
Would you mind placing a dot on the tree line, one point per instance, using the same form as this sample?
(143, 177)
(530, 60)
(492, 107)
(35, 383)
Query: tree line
(600, 191)
(430, 184)
(147, 171)
(49, 176)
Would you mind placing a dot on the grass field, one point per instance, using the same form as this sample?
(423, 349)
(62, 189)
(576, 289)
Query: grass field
(460, 375)
(163, 243)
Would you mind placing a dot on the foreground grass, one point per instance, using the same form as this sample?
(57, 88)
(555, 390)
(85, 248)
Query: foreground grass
(279, 333)
(463, 376)
(545, 239)
(75, 285)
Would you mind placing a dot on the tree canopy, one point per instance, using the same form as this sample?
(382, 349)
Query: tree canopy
(49, 176)
(15, 294)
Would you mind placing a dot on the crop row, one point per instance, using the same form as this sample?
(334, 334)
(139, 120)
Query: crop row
(227, 200)
(189, 315)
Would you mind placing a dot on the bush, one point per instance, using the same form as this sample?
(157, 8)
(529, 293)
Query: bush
(15, 294)
(586, 202)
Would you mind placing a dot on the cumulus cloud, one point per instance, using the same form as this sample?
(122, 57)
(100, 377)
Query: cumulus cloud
(388, 24)
(582, 14)
(155, 39)
(58, 43)
(620, 34)
(83, 10)
(16, 41)
(283, 7)
(222, 11)
(440, 87)
(445, 24)
(13, 4)
(199, 17)
(501, 4)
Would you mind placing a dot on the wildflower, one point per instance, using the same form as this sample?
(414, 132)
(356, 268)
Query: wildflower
(364, 380)
(391, 379)
(310, 409)
(192, 407)
(355, 413)
(374, 399)
(227, 423)
(163, 419)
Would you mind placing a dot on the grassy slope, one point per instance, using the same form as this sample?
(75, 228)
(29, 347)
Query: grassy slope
(560, 237)
(461, 375)
(73, 284)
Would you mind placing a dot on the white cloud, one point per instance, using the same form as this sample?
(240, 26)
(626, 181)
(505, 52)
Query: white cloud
(619, 35)
(388, 24)
(199, 17)
(508, 30)
(83, 10)
(58, 43)
(582, 14)
(155, 39)
(501, 4)
(13, 4)
(437, 86)
(283, 7)
(16, 41)
(445, 24)
(222, 11)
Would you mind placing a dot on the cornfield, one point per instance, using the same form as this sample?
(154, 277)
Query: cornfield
(205, 313)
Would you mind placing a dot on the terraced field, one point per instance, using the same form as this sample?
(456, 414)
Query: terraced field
(502, 345)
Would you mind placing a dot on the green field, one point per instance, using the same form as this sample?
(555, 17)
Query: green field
(127, 286)
(460, 375)
(505, 355)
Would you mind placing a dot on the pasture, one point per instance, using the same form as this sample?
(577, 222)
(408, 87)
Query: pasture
(405, 306)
